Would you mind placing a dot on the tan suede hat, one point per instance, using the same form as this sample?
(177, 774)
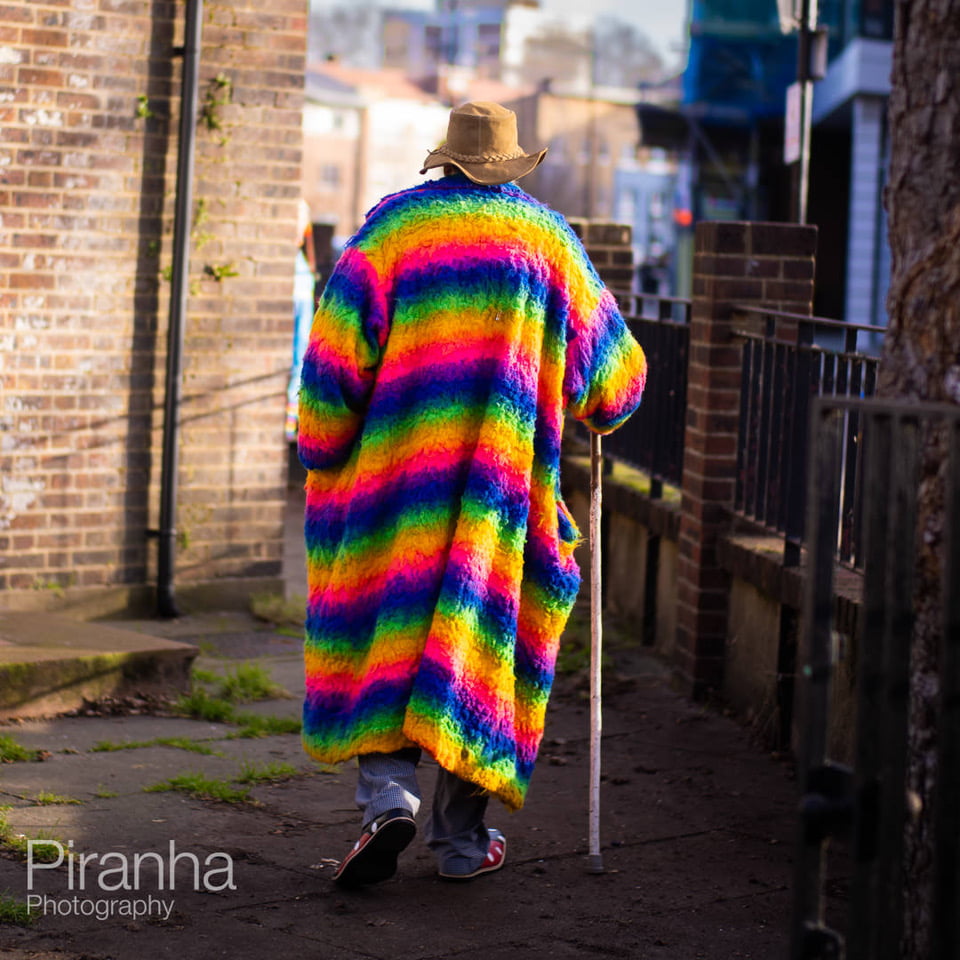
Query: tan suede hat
(482, 142)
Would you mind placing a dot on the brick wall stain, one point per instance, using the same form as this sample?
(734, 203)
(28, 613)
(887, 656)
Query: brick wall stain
(89, 100)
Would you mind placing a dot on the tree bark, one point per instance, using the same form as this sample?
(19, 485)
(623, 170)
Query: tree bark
(921, 361)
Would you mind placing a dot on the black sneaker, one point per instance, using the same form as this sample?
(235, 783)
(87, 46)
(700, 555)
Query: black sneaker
(374, 856)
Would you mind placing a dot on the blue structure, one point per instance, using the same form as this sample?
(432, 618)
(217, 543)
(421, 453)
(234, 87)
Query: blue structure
(734, 89)
(728, 131)
(740, 63)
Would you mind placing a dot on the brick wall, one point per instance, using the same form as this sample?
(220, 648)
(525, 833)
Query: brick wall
(608, 246)
(88, 105)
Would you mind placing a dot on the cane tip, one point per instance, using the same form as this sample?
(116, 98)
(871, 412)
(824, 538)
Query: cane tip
(595, 864)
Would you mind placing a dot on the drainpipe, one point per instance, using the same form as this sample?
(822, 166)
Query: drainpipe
(193, 19)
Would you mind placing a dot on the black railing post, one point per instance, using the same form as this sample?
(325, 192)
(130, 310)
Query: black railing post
(810, 937)
(797, 447)
(881, 757)
(946, 903)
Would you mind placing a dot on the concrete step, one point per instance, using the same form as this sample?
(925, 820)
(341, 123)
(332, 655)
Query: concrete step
(50, 664)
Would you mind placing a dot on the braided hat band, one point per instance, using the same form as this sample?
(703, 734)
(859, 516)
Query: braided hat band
(482, 142)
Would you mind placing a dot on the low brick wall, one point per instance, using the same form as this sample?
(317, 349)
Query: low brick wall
(760, 587)
(632, 579)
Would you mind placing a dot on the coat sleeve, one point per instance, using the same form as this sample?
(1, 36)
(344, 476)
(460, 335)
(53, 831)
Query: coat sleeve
(340, 363)
(606, 369)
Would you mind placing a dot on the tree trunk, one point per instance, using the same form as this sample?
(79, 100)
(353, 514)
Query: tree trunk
(921, 361)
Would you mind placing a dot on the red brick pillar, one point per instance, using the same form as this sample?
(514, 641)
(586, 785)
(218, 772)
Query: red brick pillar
(768, 264)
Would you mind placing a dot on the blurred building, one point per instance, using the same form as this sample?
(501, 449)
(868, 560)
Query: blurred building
(590, 140)
(739, 67)
(513, 41)
(849, 160)
(596, 166)
(366, 133)
(332, 120)
(729, 130)
(351, 33)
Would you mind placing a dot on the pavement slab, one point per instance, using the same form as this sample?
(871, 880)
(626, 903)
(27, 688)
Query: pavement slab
(697, 826)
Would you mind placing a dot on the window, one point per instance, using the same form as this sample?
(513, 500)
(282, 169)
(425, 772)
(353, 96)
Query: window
(555, 151)
(329, 176)
(488, 41)
(433, 40)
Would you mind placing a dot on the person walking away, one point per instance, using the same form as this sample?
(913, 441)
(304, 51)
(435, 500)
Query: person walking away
(460, 323)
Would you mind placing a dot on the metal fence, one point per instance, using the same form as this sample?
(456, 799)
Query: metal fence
(787, 360)
(867, 803)
(652, 439)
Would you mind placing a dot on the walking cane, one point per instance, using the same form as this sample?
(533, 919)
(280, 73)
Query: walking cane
(595, 860)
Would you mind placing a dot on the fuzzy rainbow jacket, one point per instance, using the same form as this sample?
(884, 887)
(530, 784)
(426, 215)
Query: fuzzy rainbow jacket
(458, 326)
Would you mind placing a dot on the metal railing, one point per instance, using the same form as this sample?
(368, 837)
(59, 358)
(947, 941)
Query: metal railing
(867, 803)
(652, 439)
(788, 359)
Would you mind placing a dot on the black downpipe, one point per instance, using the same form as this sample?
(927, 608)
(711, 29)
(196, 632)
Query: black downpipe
(166, 602)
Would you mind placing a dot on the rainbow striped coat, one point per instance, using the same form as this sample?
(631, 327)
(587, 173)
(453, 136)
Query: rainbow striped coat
(458, 326)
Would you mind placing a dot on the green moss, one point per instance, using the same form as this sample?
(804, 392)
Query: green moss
(200, 705)
(13, 752)
(201, 787)
(279, 610)
(18, 843)
(14, 911)
(47, 799)
(143, 107)
(248, 683)
(267, 773)
(631, 478)
(221, 271)
(199, 675)
(180, 743)
(218, 94)
(14, 676)
(254, 725)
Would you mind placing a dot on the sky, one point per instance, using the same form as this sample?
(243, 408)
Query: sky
(662, 21)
